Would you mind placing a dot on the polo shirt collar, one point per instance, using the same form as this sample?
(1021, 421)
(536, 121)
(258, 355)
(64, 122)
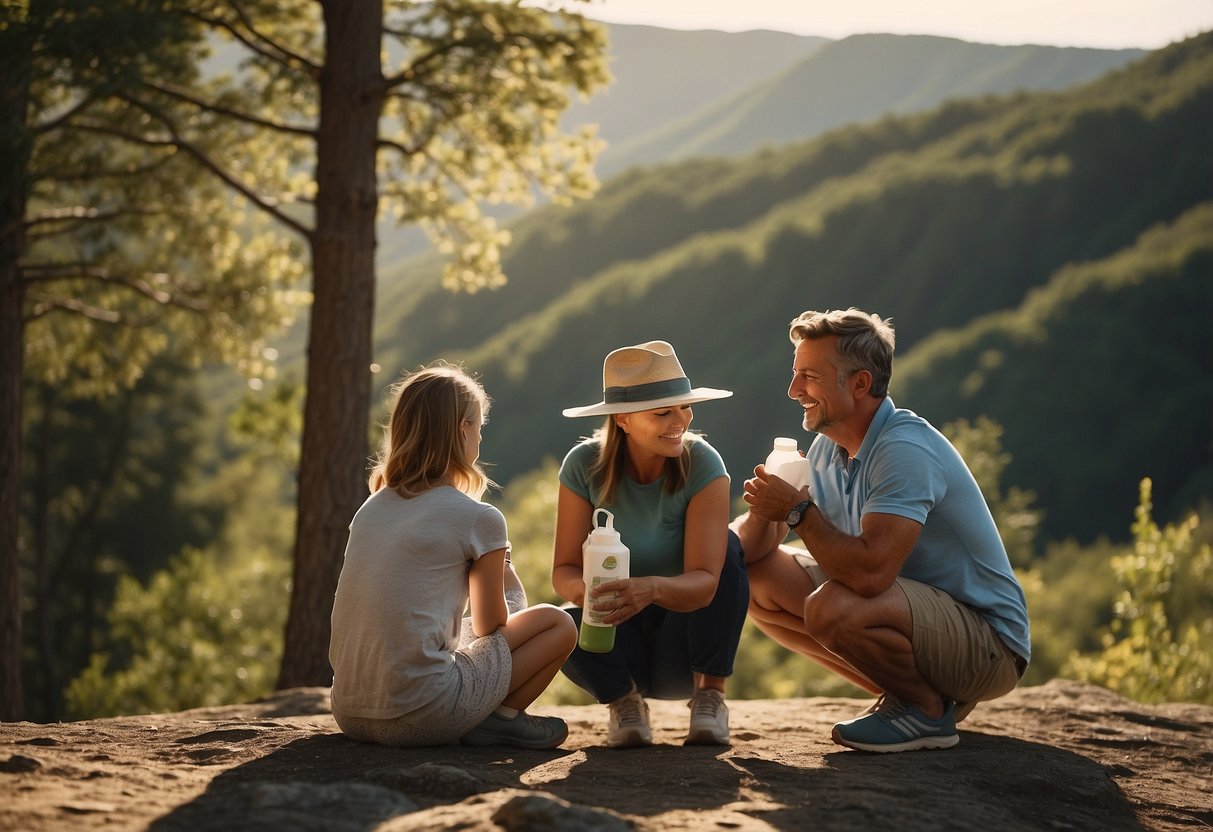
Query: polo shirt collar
(879, 419)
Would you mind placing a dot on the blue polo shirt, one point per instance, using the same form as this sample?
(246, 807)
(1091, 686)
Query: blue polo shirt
(908, 468)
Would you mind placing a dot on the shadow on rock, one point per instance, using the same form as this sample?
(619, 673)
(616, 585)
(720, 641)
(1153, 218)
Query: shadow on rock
(649, 781)
(985, 783)
(332, 783)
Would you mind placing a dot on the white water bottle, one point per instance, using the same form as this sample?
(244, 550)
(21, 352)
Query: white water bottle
(604, 558)
(785, 462)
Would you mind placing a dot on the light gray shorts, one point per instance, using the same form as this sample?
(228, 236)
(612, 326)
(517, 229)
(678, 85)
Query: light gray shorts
(482, 666)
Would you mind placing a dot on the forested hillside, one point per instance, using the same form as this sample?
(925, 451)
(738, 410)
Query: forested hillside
(1101, 377)
(935, 220)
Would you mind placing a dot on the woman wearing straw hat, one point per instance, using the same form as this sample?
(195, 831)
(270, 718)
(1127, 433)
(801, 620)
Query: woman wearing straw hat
(679, 615)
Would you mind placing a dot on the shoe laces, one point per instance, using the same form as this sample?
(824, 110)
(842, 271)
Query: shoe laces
(706, 703)
(628, 710)
(886, 701)
(530, 720)
(891, 709)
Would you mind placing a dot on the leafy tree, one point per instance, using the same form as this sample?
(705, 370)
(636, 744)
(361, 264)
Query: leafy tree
(467, 113)
(204, 631)
(207, 628)
(1159, 646)
(104, 491)
(113, 249)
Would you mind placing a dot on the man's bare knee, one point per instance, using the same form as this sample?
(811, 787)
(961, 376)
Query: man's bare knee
(825, 610)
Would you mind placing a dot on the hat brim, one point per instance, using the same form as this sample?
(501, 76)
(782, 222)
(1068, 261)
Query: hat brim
(698, 394)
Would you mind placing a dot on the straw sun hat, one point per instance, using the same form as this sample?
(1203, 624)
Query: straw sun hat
(643, 377)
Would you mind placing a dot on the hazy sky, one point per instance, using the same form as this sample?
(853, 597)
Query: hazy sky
(1101, 23)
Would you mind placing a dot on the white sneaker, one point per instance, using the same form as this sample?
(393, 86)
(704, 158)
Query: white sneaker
(628, 725)
(709, 718)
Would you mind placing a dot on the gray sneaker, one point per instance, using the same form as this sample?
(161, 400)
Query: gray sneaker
(709, 718)
(628, 724)
(522, 731)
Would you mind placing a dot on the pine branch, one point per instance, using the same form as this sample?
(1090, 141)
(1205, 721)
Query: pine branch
(63, 119)
(258, 42)
(45, 306)
(92, 174)
(181, 94)
(174, 140)
(54, 272)
(79, 214)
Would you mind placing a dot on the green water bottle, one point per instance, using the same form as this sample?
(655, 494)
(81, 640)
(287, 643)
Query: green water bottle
(604, 558)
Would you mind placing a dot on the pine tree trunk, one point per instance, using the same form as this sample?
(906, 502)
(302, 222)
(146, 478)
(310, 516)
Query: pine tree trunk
(332, 467)
(14, 155)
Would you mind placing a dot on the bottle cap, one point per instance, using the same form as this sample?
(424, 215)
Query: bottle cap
(607, 533)
(783, 443)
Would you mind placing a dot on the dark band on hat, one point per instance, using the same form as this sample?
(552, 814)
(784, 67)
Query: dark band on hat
(647, 392)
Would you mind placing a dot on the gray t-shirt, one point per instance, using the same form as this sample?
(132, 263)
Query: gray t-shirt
(401, 597)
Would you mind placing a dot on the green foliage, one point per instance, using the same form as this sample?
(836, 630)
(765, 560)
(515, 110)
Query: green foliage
(980, 444)
(205, 631)
(529, 505)
(107, 489)
(1070, 590)
(133, 249)
(1157, 649)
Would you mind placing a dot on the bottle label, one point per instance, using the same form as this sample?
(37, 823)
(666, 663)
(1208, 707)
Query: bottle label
(594, 617)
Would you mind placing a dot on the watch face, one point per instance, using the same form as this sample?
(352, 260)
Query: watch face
(797, 514)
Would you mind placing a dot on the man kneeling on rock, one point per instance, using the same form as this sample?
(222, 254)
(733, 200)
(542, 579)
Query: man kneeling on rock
(906, 589)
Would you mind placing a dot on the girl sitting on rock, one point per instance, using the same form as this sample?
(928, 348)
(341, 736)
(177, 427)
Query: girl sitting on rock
(408, 668)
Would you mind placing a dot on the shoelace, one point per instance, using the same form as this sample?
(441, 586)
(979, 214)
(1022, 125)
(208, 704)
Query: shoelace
(628, 711)
(706, 705)
(892, 709)
(884, 702)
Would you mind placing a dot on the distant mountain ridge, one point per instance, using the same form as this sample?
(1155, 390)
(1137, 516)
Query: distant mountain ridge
(857, 79)
(661, 75)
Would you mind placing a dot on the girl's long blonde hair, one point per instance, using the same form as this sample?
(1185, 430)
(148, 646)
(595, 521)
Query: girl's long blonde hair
(423, 443)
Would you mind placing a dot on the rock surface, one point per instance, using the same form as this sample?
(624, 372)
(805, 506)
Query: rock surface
(1055, 757)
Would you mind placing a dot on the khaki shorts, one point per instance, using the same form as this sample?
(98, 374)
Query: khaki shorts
(955, 649)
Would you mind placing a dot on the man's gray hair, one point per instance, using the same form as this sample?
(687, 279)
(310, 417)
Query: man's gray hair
(865, 342)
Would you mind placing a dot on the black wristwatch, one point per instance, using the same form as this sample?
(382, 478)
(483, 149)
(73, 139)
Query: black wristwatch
(797, 513)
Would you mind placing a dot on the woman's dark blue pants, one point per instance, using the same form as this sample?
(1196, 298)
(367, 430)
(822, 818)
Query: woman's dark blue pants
(659, 649)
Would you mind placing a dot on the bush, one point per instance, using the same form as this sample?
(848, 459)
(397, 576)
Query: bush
(198, 634)
(1158, 646)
